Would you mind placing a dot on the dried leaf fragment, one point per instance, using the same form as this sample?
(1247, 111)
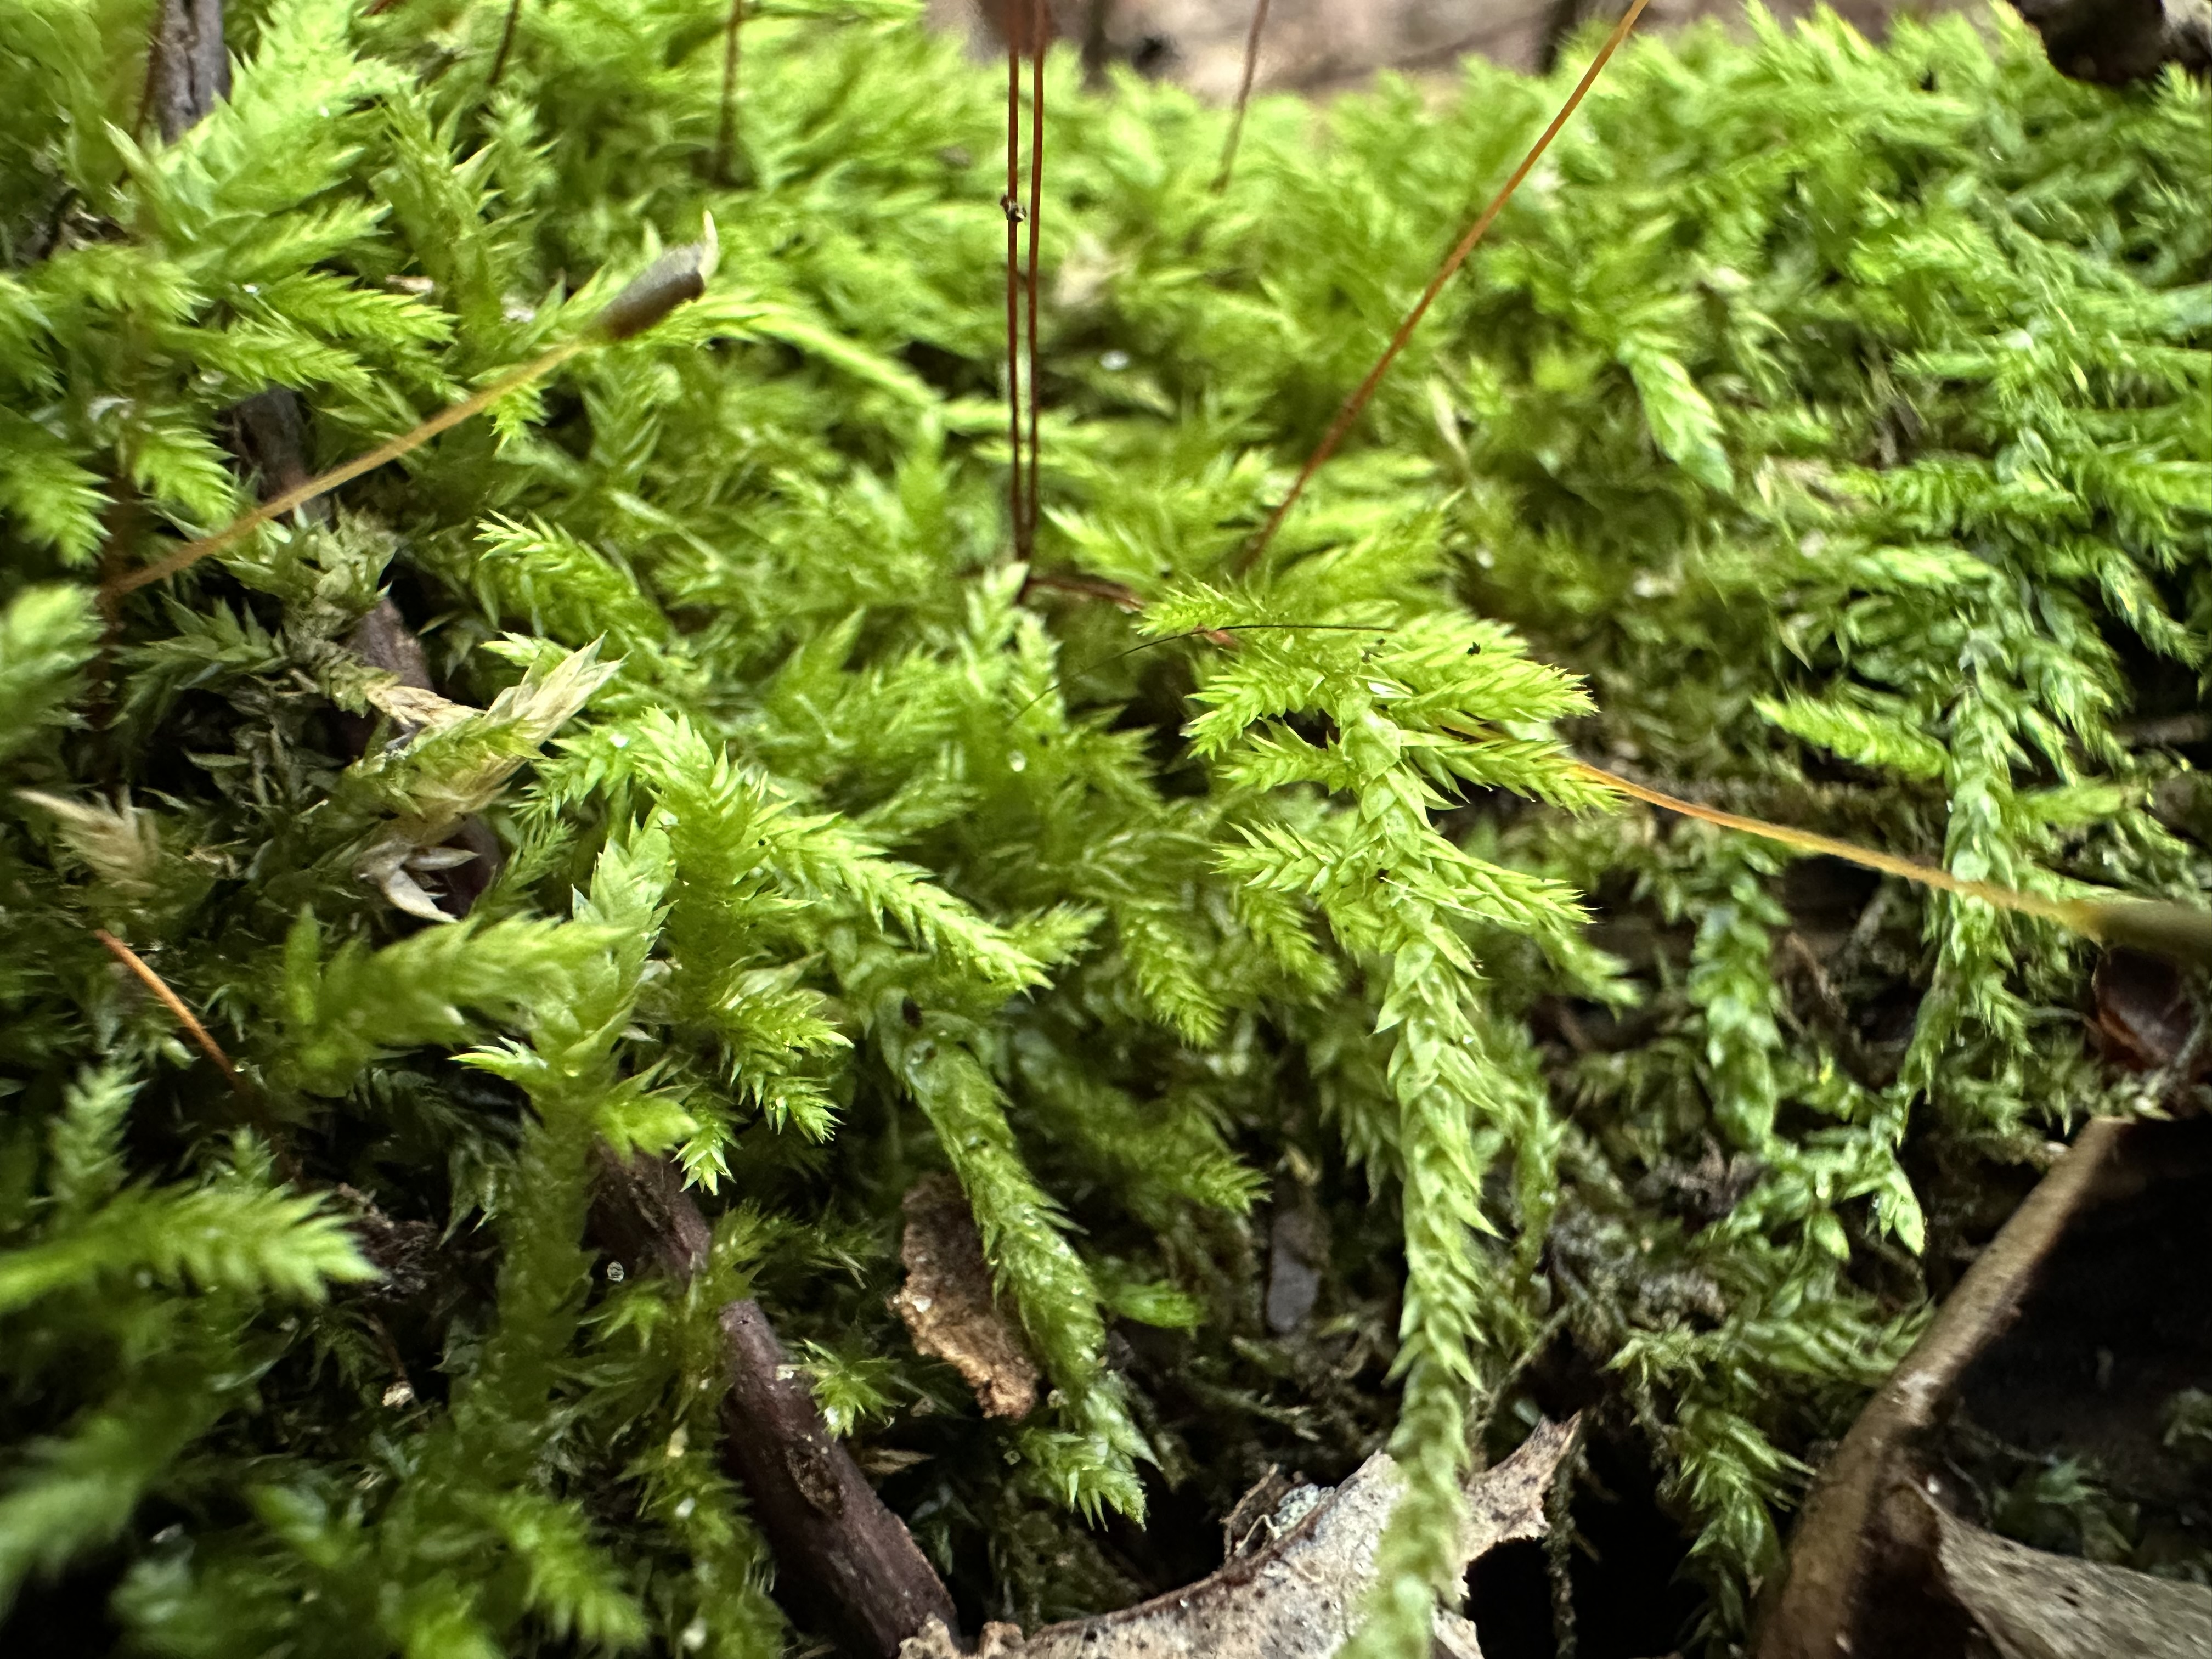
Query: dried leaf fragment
(2036, 1606)
(1302, 1596)
(949, 1305)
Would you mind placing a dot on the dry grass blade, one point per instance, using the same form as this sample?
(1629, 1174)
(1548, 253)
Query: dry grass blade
(300, 495)
(2178, 932)
(676, 278)
(1358, 401)
(1806, 841)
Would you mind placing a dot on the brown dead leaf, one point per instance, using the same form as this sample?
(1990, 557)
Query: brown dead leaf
(1301, 1596)
(2038, 1605)
(948, 1304)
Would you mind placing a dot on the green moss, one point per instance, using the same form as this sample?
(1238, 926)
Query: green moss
(1823, 433)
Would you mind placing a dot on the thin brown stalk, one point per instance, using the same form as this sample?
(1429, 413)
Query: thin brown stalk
(1358, 401)
(726, 138)
(1039, 28)
(1012, 202)
(175, 1004)
(1243, 97)
(390, 450)
(505, 44)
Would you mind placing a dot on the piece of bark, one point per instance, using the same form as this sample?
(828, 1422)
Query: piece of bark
(846, 1566)
(272, 437)
(189, 71)
(949, 1305)
(2032, 1605)
(1302, 1596)
(1859, 1569)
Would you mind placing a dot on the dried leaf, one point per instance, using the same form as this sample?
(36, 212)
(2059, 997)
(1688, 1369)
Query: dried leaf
(2036, 1606)
(1300, 1596)
(949, 1305)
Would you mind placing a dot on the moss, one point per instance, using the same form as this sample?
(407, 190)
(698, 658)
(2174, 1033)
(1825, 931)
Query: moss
(1820, 436)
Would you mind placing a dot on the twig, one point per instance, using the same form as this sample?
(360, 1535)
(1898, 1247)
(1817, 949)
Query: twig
(1038, 24)
(1089, 587)
(187, 70)
(726, 138)
(1844, 1568)
(277, 506)
(1358, 401)
(844, 1560)
(1243, 97)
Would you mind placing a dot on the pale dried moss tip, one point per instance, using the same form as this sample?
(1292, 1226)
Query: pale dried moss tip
(677, 277)
(2179, 933)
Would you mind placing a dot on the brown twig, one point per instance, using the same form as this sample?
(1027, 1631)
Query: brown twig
(845, 1563)
(1843, 1563)
(1038, 27)
(1089, 587)
(506, 45)
(725, 137)
(278, 505)
(1243, 97)
(1358, 401)
(187, 70)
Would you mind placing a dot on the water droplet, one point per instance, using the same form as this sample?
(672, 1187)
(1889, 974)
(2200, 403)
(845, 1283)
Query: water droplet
(1017, 762)
(1113, 362)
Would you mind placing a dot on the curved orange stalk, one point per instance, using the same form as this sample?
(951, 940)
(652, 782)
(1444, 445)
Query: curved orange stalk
(175, 1004)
